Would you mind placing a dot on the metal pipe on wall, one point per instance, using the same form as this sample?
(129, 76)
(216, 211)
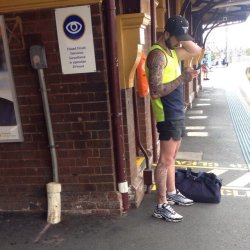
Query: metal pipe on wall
(53, 188)
(39, 62)
(49, 125)
(116, 106)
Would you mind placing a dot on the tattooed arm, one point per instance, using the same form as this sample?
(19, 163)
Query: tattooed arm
(156, 62)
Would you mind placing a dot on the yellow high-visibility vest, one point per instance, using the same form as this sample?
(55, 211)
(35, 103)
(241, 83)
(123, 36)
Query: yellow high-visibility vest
(170, 73)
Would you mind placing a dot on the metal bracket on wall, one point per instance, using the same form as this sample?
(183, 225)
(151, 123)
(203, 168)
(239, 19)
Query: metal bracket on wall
(14, 30)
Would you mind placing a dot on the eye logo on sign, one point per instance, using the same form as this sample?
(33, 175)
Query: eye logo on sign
(73, 27)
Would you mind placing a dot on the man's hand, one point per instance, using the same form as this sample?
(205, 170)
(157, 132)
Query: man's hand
(189, 74)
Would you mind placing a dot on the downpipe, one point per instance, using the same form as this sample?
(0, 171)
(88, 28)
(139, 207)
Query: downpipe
(153, 40)
(115, 97)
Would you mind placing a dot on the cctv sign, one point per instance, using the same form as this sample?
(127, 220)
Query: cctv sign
(75, 37)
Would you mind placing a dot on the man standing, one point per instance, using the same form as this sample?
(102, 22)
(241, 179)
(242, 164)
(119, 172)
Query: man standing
(166, 90)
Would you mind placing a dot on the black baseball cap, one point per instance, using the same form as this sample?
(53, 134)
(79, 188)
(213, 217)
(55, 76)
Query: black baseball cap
(178, 26)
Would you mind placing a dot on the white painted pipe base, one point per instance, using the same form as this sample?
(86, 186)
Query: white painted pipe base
(54, 202)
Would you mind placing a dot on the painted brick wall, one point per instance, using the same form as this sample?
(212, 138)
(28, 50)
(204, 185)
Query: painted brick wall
(144, 106)
(79, 106)
(129, 133)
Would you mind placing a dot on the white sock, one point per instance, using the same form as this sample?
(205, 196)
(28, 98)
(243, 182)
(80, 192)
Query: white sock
(160, 205)
(171, 193)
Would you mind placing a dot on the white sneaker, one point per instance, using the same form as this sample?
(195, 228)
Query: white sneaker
(179, 199)
(167, 213)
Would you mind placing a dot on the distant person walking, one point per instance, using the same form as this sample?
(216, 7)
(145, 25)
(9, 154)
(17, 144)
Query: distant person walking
(204, 68)
(224, 62)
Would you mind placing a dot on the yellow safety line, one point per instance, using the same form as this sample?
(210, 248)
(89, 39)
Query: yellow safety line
(227, 191)
(139, 161)
(208, 167)
(153, 188)
(233, 191)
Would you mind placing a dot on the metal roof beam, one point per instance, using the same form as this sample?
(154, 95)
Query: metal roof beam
(221, 4)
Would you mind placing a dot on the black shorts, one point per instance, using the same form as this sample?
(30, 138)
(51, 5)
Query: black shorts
(171, 129)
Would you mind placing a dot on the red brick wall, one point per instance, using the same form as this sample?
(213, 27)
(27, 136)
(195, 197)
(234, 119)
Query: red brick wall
(79, 106)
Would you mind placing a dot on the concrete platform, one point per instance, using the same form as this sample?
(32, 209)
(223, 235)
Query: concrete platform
(194, 156)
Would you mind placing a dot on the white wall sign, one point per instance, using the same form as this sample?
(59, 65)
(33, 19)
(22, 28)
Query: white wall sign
(75, 37)
(10, 126)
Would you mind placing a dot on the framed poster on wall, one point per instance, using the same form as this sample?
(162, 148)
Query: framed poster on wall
(10, 126)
